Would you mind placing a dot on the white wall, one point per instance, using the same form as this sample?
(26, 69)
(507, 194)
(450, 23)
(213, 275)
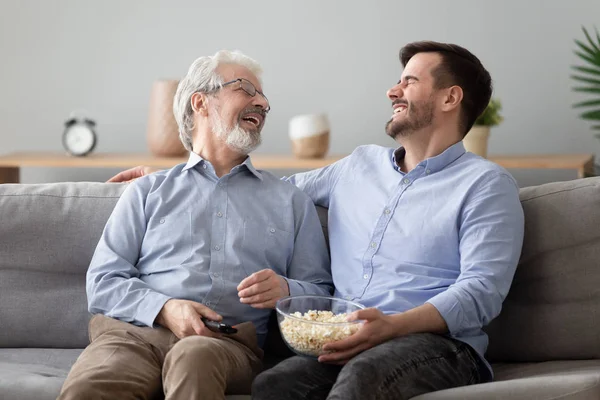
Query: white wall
(337, 57)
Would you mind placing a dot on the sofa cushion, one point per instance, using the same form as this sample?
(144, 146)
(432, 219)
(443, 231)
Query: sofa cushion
(28, 374)
(49, 233)
(552, 311)
(567, 380)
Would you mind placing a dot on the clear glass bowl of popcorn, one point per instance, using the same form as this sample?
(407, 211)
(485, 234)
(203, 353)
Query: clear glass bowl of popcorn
(308, 322)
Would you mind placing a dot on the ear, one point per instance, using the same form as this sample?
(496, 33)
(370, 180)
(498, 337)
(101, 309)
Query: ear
(452, 98)
(198, 102)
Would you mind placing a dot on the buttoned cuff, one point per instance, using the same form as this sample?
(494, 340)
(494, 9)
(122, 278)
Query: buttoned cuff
(299, 288)
(149, 307)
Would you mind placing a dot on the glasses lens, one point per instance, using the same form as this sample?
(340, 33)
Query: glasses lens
(248, 87)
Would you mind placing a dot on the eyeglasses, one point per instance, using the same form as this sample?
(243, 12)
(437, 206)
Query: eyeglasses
(249, 88)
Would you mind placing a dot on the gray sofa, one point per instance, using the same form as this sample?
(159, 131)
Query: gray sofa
(544, 345)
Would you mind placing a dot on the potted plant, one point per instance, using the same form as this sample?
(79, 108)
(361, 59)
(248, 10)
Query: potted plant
(476, 140)
(589, 75)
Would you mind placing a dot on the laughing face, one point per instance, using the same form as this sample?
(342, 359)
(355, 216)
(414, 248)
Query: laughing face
(413, 97)
(236, 116)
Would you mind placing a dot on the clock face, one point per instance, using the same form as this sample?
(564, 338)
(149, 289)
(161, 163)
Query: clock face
(79, 139)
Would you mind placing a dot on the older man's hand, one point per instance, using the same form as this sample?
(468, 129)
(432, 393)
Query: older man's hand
(262, 289)
(182, 317)
(133, 173)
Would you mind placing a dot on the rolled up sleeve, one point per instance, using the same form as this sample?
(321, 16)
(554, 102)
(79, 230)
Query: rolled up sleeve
(491, 236)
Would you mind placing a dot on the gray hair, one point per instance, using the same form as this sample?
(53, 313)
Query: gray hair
(202, 77)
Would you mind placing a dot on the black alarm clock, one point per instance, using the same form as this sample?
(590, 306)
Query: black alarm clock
(79, 137)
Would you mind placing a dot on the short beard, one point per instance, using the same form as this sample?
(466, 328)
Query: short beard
(422, 117)
(236, 138)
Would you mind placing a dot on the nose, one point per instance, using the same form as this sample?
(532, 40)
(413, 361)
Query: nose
(261, 101)
(394, 92)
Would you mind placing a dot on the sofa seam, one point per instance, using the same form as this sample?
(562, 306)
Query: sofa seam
(556, 192)
(59, 197)
(565, 395)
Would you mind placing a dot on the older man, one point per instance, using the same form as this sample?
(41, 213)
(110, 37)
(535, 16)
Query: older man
(193, 242)
(431, 247)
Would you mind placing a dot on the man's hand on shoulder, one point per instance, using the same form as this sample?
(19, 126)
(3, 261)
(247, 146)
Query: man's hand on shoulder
(183, 318)
(132, 174)
(262, 289)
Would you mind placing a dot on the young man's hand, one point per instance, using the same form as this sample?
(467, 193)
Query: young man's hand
(182, 317)
(132, 174)
(262, 289)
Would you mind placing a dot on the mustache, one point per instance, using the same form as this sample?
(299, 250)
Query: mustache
(254, 110)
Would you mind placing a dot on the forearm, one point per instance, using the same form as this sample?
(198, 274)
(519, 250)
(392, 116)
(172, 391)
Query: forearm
(298, 287)
(422, 319)
(127, 299)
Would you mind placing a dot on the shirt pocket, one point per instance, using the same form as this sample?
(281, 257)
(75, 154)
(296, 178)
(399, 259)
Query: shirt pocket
(266, 246)
(171, 240)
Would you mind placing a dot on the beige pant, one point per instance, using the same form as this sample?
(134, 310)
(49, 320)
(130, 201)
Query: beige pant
(125, 361)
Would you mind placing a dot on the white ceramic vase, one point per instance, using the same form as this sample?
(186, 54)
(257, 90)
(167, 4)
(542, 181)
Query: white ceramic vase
(309, 135)
(476, 141)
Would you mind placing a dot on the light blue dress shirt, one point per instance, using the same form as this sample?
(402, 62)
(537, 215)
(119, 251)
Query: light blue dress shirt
(184, 233)
(448, 233)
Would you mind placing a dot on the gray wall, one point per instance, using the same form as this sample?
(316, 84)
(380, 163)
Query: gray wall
(337, 57)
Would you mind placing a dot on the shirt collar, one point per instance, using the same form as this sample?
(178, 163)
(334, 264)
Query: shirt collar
(197, 160)
(433, 164)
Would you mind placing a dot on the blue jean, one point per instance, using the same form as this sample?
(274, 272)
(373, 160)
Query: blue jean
(398, 369)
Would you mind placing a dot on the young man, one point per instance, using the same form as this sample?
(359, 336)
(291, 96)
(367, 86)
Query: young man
(193, 242)
(431, 246)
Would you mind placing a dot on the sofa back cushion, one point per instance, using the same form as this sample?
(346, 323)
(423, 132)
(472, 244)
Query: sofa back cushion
(48, 233)
(552, 311)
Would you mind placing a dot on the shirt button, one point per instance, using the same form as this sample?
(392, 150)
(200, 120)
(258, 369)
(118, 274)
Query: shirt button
(217, 248)
(373, 245)
(162, 221)
(387, 211)
(272, 230)
(348, 297)
(204, 166)
(365, 276)
(207, 304)
(219, 214)
(406, 181)
(428, 171)
(215, 275)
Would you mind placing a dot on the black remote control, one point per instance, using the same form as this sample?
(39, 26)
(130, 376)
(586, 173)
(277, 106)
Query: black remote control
(218, 327)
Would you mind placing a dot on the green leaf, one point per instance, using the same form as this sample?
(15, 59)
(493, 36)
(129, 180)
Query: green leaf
(587, 70)
(589, 59)
(590, 39)
(593, 115)
(587, 89)
(587, 103)
(585, 79)
(597, 127)
(592, 52)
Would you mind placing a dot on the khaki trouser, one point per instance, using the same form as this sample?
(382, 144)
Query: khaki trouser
(124, 361)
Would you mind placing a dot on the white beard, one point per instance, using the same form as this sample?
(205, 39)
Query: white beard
(236, 138)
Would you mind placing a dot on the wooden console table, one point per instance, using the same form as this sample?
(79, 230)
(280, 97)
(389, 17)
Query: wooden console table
(10, 164)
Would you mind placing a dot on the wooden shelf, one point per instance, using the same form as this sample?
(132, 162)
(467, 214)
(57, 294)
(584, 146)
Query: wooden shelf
(124, 160)
(10, 164)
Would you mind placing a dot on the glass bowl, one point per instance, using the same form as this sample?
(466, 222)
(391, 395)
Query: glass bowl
(308, 322)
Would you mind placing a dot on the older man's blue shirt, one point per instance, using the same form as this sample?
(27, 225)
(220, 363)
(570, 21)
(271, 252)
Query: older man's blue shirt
(185, 233)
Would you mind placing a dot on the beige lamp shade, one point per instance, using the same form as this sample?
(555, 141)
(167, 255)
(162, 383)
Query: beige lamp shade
(163, 133)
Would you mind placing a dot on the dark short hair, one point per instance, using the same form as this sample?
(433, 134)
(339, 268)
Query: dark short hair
(458, 67)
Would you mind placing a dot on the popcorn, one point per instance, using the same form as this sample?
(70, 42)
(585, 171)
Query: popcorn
(308, 338)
